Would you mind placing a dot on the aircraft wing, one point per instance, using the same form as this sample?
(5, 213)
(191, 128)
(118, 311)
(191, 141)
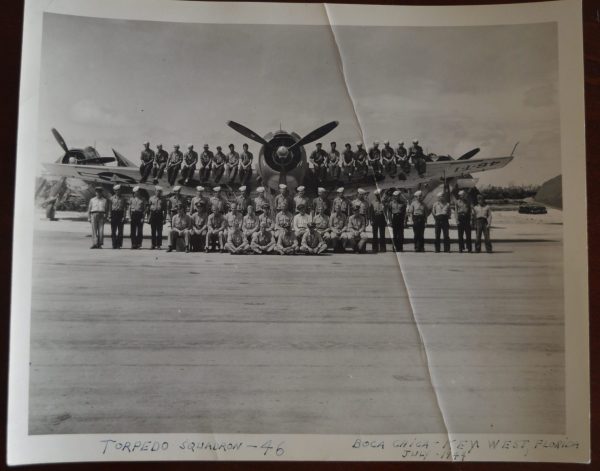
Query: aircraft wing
(463, 168)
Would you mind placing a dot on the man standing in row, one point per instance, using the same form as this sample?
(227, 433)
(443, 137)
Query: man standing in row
(378, 222)
(463, 212)
(137, 211)
(243, 200)
(118, 210)
(418, 212)
(397, 215)
(341, 201)
(482, 214)
(441, 214)
(98, 209)
(157, 214)
(283, 202)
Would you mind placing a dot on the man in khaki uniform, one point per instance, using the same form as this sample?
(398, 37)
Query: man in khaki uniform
(174, 164)
(300, 222)
(180, 228)
(98, 209)
(250, 223)
(236, 242)
(160, 163)
(147, 159)
(216, 231)
(157, 214)
(312, 242)
(199, 227)
(355, 234)
(301, 198)
(243, 200)
(118, 210)
(260, 200)
(287, 241)
(263, 241)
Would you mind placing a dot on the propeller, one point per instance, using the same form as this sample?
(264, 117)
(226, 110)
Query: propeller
(60, 140)
(316, 134)
(243, 130)
(469, 154)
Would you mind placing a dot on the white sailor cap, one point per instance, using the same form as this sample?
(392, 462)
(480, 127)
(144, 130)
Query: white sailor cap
(361, 191)
(189, 146)
(260, 189)
(199, 188)
(377, 191)
(396, 193)
(441, 193)
(136, 188)
(340, 189)
(243, 188)
(461, 192)
(217, 188)
(158, 188)
(375, 143)
(387, 143)
(321, 190)
(177, 188)
(300, 188)
(418, 193)
(117, 187)
(282, 186)
(359, 144)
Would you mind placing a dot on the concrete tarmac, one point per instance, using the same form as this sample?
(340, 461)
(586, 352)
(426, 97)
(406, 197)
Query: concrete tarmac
(149, 341)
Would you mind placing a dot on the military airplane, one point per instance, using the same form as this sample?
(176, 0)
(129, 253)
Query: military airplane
(281, 159)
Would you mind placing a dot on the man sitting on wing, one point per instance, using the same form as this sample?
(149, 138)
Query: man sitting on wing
(312, 242)
(263, 241)
(287, 242)
(236, 242)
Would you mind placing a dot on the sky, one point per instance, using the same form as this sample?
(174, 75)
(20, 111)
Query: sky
(116, 83)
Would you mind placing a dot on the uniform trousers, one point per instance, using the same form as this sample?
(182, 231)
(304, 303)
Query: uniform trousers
(482, 228)
(442, 226)
(137, 228)
(419, 232)
(398, 230)
(156, 227)
(172, 173)
(117, 221)
(464, 232)
(378, 225)
(97, 220)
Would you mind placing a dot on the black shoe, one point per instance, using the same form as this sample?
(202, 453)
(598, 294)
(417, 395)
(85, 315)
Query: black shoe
(93, 247)
(170, 249)
(152, 248)
(187, 250)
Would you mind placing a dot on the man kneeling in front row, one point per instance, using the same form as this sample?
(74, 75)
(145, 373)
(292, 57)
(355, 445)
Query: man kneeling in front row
(287, 241)
(263, 241)
(181, 224)
(236, 241)
(312, 241)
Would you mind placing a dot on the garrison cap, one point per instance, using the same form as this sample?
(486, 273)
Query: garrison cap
(361, 191)
(300, 188)
(418, 193)
(260, 189)
(217, 188)
(243, 188)
(282, 186)
(396, 193)
(177, 188)
(199, 188)
(135, 188)
(340, 189)
(320, 190)
(117, 187)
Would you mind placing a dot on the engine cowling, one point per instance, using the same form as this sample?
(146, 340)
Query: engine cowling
(275, 159)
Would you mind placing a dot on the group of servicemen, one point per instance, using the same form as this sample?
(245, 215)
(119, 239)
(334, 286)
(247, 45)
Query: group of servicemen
(287, 225)
(180, 168)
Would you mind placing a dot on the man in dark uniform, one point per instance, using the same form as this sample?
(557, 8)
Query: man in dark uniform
(218, 165)
(233, 160)
(360, 159)
(160, 162)
(190, 159)
(374, 159)
(397, 214)
(157, 213)
(441, 214)
(118, 209)
(388, 158)
(402, 160)
(137, 210)
(378, 223)
(348, 161)
(174, 164)
(243, 200)
(246, 159)
(462, 210)
(319, 159)
(147, 158)
(333, 162)
(418, 212)
(206, 159)
(416, 156)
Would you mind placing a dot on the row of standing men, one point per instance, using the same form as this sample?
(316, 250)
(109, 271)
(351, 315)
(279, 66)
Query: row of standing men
(234, 165)
(207, 223)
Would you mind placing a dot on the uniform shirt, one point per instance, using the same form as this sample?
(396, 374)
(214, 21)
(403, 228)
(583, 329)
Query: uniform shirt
(161, 156)
(175, 158)
(235, 238)
(216, 222)
(157, 204)
(300, 222)
(281, 218)
(312, 239)
(356, 223)
(181, 222)
(198, 199)
(362, 204)
(482, 212)
(397, 207)
(147, 155)
(301, 199)
(266, 218)
(259, 201)
(174, 202)
(374, 154)
(318, 157)
(462, 208)
(233, 158)
(322, 222)
(246, 158)
(191, 157)
(199, 220)
(98, 205)
(287, 239)
(342, 203)
(217, 203)
(219, 158)
(243, 201)
(262, 239)
(415, 151)
(417, 208)
(206, 157)
(250, 223)
(348, 157)
(118, 203)
(232, 218)
(401, 152)
(377, 208)
(387, 153)
(283, 202)
(338, 222)
(318, 203)
(137, 205)
(360, 155)
(440, 209)
(333, 157)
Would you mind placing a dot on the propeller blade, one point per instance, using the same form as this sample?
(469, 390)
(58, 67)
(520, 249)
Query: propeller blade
(316, 134)
(469, 154)
(121, 160)
(244, 131)
(60, 140)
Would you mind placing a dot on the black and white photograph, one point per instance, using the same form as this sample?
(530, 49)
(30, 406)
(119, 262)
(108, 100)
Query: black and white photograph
(249, 226)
